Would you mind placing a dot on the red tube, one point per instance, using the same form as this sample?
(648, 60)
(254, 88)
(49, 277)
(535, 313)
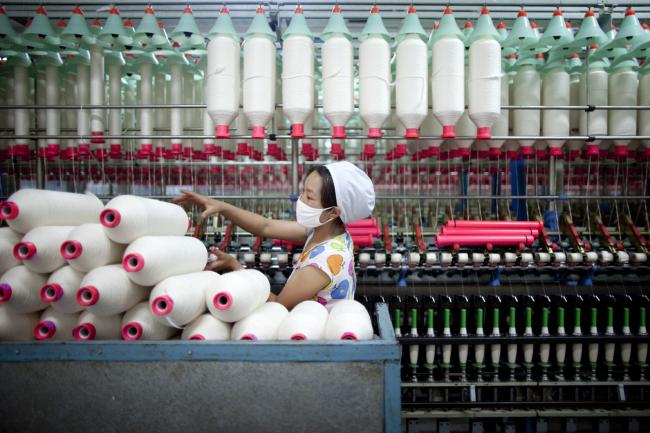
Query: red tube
(362, 240)
(368, 222)
(476, 231)
(538, 225)
(471, 240)
(357, 231)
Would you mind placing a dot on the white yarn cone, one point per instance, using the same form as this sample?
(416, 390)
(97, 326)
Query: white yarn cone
(206, 327)
(20, 290)
(305, 322)
(55, 325)
(60, 290)
(107, 291)
(178, 300)
(128, 217)
(151, 259)
(90, 326)
(139, 323)
(8, 238)
(262, 324)
(348, 320)
(87, 247)
(15, 326)
(39, 248)
(30, 208)
(237, 294)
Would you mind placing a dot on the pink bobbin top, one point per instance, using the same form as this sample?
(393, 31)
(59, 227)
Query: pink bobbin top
(338, 132)
(248, 337)
(449, 132)
(85, 331)
(44, 330)
(483, 133)
(9, 210)
(412, 133)
(349, 336)
(298, 130)
(133, 262)
(51, 292)
(221, 131)
(110, 218)
(555, 151)
(374, 132)
(71, 249)
(132, 331)
(258, 132)
(87, 296)
(222, 301)
(298, 336)
(197, 337)
(5, 292)
(526, 150)
(162, 305)
(24, 250)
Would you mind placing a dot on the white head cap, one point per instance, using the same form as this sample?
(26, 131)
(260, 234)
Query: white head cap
(355, 194)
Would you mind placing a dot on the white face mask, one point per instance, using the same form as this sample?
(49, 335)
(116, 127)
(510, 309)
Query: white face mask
(308, 216)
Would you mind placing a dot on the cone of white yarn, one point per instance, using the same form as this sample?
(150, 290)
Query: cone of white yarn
(39, 248)
(60, 290)
(15, 326)
(55, 325)
(20, 290)
(128, 217)
(178, 300)
(87, 247)
(305, 322)
(8, 238)
(107, 291)
(348, 320)
(151, 259)
(237, 294)
(90, 326)
(262, 324)
(206, 327)
(30, 208)
(139, 323)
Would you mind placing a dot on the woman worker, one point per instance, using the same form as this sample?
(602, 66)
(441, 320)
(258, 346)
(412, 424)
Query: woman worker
(333, 195)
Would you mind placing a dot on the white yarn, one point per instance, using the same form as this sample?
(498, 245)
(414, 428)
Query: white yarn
(262, 324)
(237, 294)
(36, 207)
(465, 127)
(574, 115)
(206, 327)
(374, 81)
(337, 59)
(501, 125)
(87, 247)
(348, 319)
(8, 238)
(60, 290)
(127, 218)
(623, 90)
(20, 290)
(91, 326)
(39, 248)
(55, 325)
(297, 78)
(139, 324)
(151, 259)
(556, 90)
(259, 80)
(644, 115)
(484, 82)
(178, 300)
(306, 321)
(448, 80)
(223, 80)
(411, 82)
(15, 326)
(527, 91)
(598, 95)
(107, 291)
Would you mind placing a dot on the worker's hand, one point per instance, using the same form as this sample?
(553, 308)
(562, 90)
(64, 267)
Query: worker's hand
(224, 263)
(210, 205)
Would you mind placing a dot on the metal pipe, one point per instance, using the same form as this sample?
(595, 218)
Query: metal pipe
(189, 106)
(294, 167)
(421, 197)
(328, 137)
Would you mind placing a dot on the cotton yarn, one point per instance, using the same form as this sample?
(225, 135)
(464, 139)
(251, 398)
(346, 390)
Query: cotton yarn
(87, 247)
(306, 321)
(20, 290)
(262, 324)
(60, 290)
(15, 326)
(484, 83)
(139, 323)
(206, 327)
(91, 326)
(55, 325)
(27, 209)
(237, 294)
(178, 300)
(108, 291)
(151, 259)
(39, 248)
(8, 238)
(448, 80)
(527, 91)
(127, 218)
(348, 320)
(411, 83)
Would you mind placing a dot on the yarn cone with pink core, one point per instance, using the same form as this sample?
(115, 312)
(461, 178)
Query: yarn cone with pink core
(139, 323)
(91, 326)
(87, 247)
(16, 326)
(206, 327)
(39, 248)
(262, 324)
(60, 290)
(348, 320)
(237, 294)
(107, 291)
(20, 290)
(8, 238)
(306, 321)
(55, 326)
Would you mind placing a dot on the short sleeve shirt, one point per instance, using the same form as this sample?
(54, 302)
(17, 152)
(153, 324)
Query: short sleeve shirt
(335, 257)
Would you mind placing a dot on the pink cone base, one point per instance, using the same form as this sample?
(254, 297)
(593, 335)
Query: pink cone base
(132, 331)
(133, 262)
(110, 218)
(222, 301)
(44, 330)
(85, 331)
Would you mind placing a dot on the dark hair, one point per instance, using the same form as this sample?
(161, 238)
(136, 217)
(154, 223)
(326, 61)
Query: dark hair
(328, 193)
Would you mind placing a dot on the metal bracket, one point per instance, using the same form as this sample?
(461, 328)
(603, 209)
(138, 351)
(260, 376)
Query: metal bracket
(472, 393)
(621, 392)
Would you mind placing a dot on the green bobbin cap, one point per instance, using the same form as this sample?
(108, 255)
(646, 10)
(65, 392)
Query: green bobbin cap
(502, 30)
(260, 26)
(411, 26)
(374, 26)
(114, 58)
(448, 28)
(589, 32)
(77, 30)
(335, 25)
(114, 33)
(484, 28)
(556, 33)
(186, 34)
(298, 26)
(16, 58)
(41, 31)
(521, 33)
(50, 59)
(149, 33)
(631, 30)
(223, 26)
(8, 36)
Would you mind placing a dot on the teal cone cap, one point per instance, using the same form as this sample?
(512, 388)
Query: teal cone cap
(594, 62)
(448, 28)
(521, 33)
(411, 26)
(76, 57)
(148, 33)
(630, 31)
(260, 26)
(15, 58)
(484, 28)
(114, 58)
(298, 26)
(556, 33)
(145, 58)
(114, 33)
(502, 30)
(575, 64)
(623, 63)
(50, 59)
(374, 26)
(187, 33)
(8, 36)
(77, 30)
(41, 31)
(335, 25)
(589, 32)
(223, 26)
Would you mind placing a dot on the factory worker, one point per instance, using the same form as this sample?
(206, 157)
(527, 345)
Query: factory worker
(333, 195)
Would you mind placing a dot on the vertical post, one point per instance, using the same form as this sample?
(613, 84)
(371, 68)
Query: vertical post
(294, 166)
